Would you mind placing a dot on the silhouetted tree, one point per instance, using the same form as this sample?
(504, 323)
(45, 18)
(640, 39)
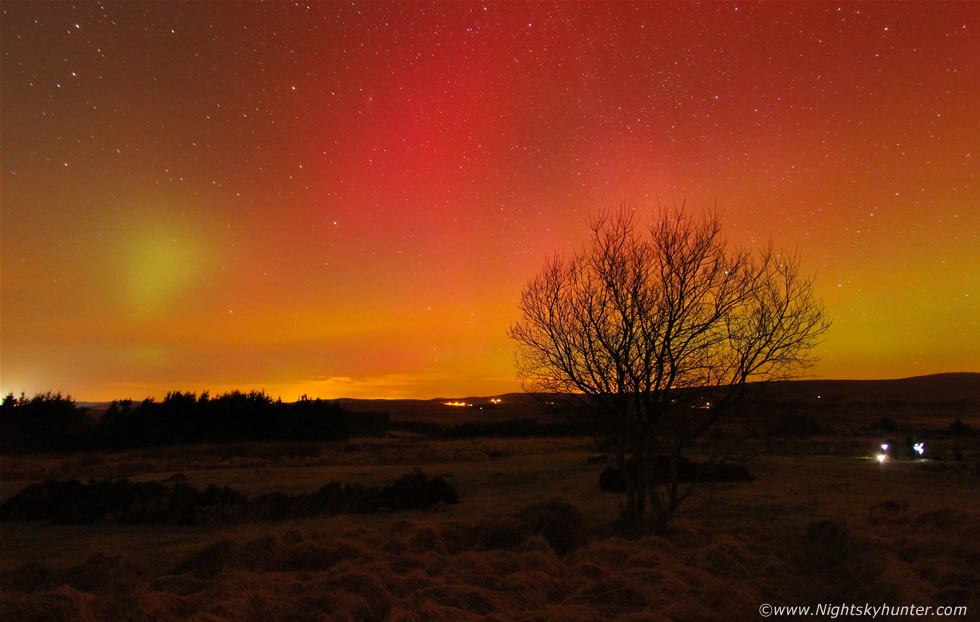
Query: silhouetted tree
(314, 419)
(50, 422)
(655, 333)
(116, 427)
(234, 416)
(46, 422)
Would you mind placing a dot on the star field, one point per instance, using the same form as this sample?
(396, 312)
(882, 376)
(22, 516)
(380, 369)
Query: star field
(346, 199)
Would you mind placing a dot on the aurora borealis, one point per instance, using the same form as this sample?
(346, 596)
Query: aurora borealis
(345, 199)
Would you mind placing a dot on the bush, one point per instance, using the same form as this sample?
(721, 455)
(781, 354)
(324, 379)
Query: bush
(104, 500)
(122, 501)
(611, 479)
(418, 490)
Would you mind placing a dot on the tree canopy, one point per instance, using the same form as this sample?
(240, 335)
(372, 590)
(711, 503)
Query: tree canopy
(656, 330)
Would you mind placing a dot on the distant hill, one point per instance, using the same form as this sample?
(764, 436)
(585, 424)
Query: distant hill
(933, 401)
(455, 409)
(939, 395)
(955, 394)
(934, 387)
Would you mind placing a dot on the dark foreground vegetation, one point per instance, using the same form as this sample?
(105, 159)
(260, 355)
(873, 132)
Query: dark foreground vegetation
(50, 422)
(122, 501)
(612, 480)
(535, 564)
(822, 522)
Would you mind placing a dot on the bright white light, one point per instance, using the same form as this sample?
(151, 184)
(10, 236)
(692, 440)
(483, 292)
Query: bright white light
(884, 447)
(920, 448)
(882, 457)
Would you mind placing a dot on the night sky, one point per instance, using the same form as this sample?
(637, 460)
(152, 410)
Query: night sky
(344, 200)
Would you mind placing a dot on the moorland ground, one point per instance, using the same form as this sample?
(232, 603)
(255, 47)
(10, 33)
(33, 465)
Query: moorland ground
(822, 522)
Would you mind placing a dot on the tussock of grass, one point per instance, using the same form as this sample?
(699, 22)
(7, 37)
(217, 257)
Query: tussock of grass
(425, 538)
(178, 585)
(420, 609)
(932, 556)
(560, 523)
(612, 595)
(470, 598)
(533, 589)
(684, 533)
(367, 595)
(61, 603)
(100, 574)
(445, 571)
(105, 574)
(729, 557)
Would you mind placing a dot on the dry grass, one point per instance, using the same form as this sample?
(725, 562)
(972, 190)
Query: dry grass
(809, 529)
(347, 573)
(247, 466)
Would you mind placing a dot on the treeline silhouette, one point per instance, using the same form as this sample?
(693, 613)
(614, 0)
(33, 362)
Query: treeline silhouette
(51, 422)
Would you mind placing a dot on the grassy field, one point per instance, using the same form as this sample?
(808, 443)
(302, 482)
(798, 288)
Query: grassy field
(819, 524)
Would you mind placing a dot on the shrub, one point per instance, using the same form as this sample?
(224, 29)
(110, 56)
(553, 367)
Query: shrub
(122, 501)
(611, 480)
(418, 490)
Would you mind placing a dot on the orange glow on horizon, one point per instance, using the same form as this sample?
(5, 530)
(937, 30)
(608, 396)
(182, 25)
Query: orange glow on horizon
(348, 204)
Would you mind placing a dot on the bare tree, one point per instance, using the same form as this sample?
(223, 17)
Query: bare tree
(655, 331)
